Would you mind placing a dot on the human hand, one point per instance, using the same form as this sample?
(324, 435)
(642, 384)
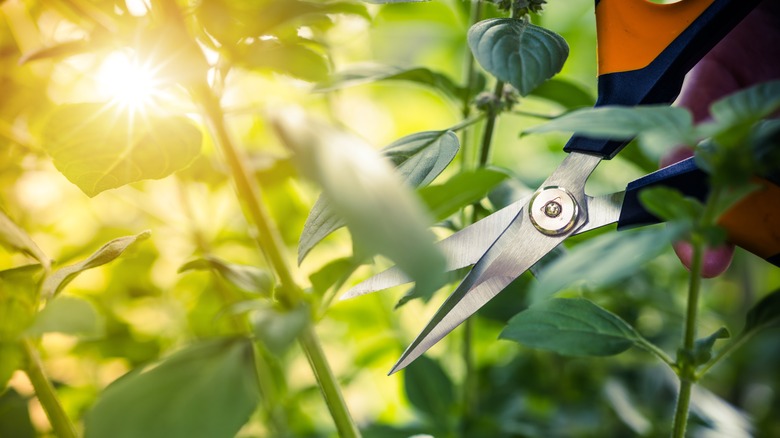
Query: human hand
(749, 55)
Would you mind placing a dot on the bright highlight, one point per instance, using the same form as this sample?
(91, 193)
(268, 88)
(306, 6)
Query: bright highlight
(126, 82)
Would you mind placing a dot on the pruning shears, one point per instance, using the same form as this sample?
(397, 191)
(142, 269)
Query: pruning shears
(644, 51)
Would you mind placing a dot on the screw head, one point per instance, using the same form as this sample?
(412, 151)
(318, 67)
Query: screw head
(553, 210)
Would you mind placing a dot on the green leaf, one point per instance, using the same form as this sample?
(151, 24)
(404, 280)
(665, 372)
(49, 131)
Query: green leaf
(429, 389)
(735, 114)
(294, 59)
(659, 127)
(208, 389)
(565, 93)
(461, 190)
(15, 416)
(333, 272)
(764, 315)
(374, 73)
(387, 2)
(517, 52)
(106, 254)
(574, 327)
(381, 212)
(100, 147)
(18, 240)
(604, 260)
(419, 158)
(702, 350)
(69, 315)
(11, 359)
(277, 329)
(245, 277)
(669, 204)
(18, 300)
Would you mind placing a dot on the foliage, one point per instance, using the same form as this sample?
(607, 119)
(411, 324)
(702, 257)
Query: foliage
(180, 117)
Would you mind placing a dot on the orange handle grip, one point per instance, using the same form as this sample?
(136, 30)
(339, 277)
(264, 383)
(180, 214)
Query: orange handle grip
(632, 33)
(754, 222)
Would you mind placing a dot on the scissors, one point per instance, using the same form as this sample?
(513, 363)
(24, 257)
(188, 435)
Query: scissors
(644, 51)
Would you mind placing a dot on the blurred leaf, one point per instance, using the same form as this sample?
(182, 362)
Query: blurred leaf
(374, 73)
(461, 190)
(604, 260)
(69, 315)
(18, 240)
(380, 211)
(63, 50)
(565, 93)
(278, 329)
(230, 22)
(735, 114)
(18, 300)
(208, 389)
(669, 204)
(106, 254)
(331, 273)
(659, 127)
(385, 2)
(419, 158)
(245, 277)
(11, 359)
(429, 389)
(15, 416)
(702, 350)
(765, 314)
(517, 52)
(98, 147)
(574, 327)
(290, 58)
(390, 431)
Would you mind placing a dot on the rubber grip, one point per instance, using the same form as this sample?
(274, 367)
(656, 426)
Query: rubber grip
(753, 223)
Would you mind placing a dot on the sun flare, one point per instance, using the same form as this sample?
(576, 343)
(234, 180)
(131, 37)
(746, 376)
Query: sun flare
(127, 82)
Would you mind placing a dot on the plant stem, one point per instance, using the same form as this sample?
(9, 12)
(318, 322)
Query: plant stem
(723, 353)
(686, 369)
(46, 394)
(327, 383)
(266, 233)
(475, 13)
(487, 136)
(660, 354)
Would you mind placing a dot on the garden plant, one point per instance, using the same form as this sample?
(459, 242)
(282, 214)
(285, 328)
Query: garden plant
(188, 186)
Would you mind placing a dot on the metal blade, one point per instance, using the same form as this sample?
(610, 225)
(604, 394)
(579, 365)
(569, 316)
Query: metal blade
(465, 247)
(517, 249)
(461, 249)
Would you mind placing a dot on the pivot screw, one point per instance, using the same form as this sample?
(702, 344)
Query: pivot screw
(553, 210)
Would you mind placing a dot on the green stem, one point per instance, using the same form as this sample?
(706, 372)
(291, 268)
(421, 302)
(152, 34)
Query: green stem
(723, 353)
(266, 233)
(660, 354)
(327, 383)
(487, 136)
(46, 394)
(686, 369)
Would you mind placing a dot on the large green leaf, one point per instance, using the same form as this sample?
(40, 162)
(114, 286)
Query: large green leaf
(575, 327)
(381, 211)
(734, 114)
(105, 254)
(15, 416)
(461, 190)
(278, 329)
(374, 73)
(248, 278)
(517, 52)
(429, 389)
(12, 236)
(206, 390)
(69, 315)
(12, 357)
(293, 58)
(659, 127)
(419, 158)
(604, 260)
(100, 147)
